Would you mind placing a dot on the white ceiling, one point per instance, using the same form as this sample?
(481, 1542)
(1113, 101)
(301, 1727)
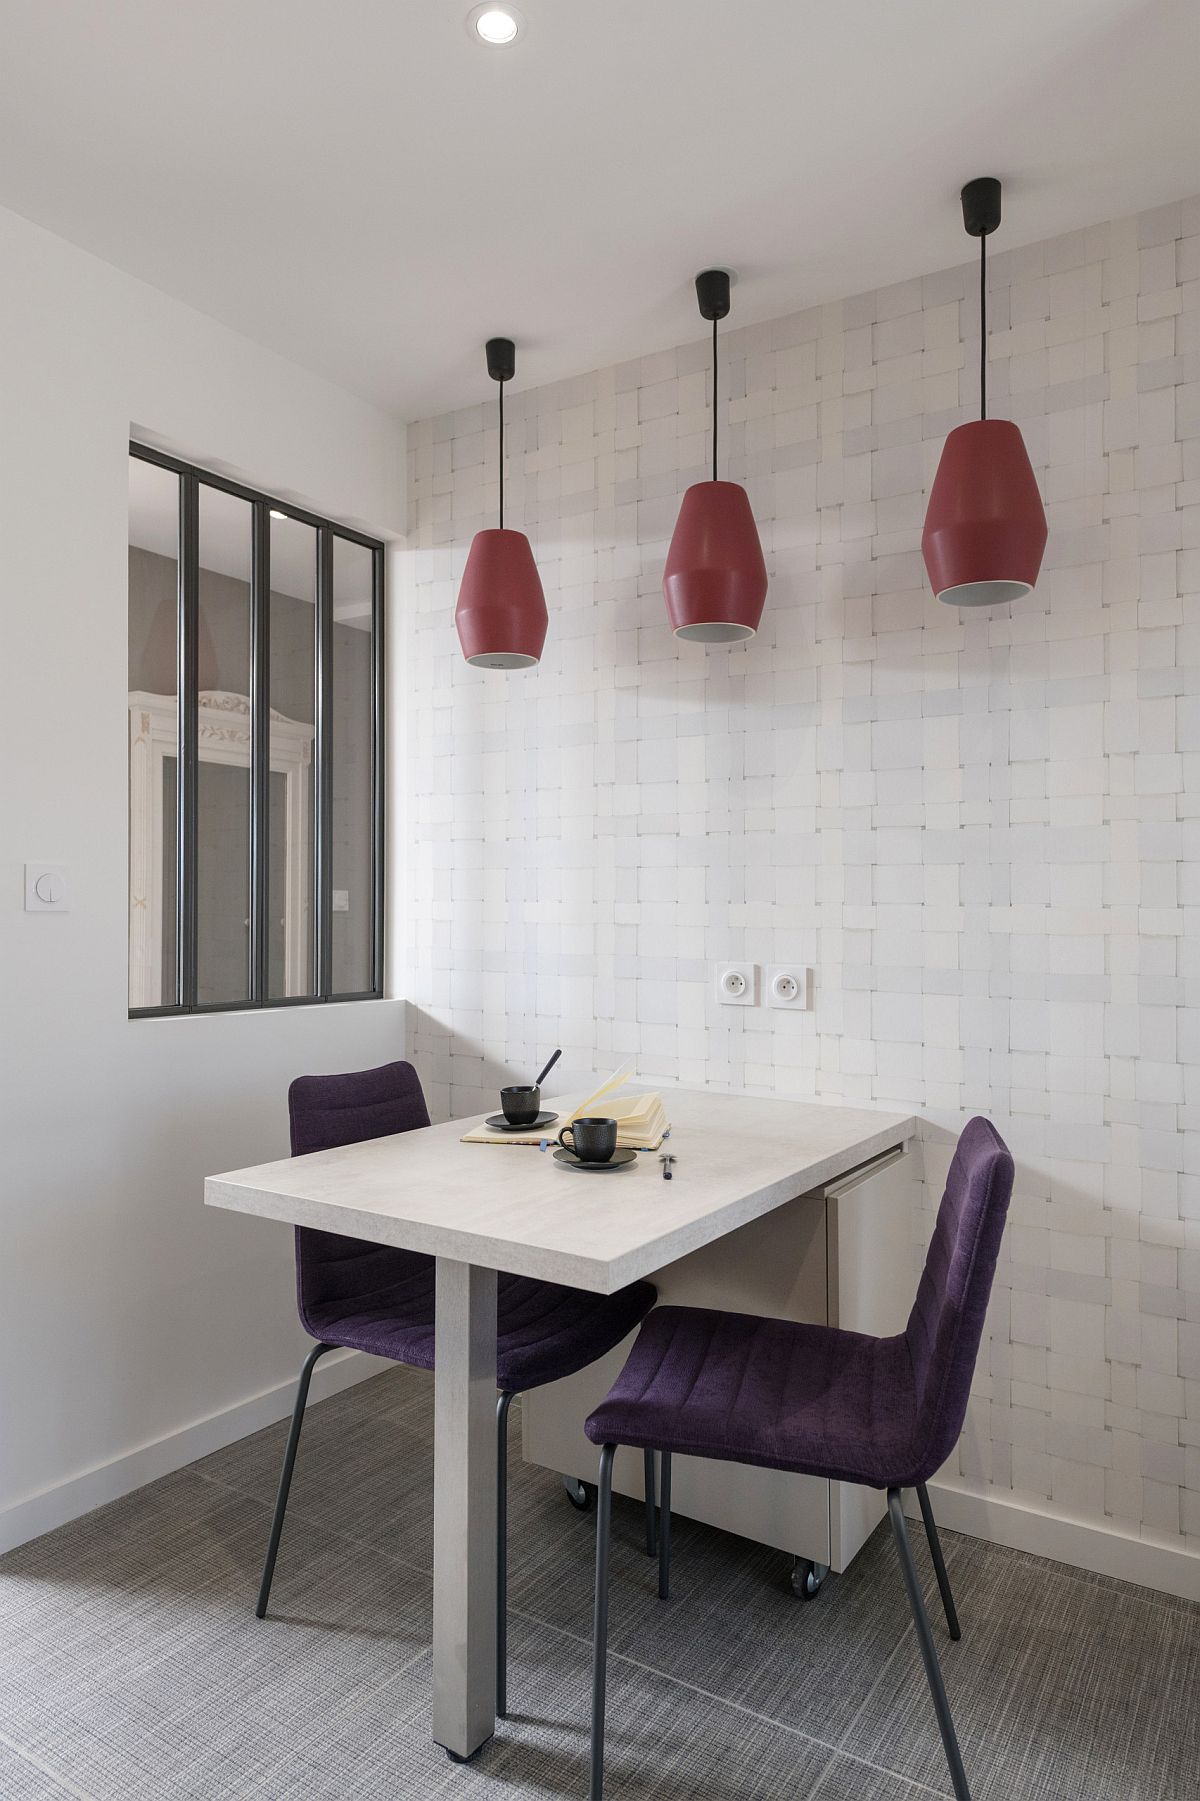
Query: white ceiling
(360, 185)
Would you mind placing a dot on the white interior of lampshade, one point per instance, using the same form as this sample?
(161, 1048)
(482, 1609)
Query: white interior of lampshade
(503, 659)
(714, 631)
(985, 594)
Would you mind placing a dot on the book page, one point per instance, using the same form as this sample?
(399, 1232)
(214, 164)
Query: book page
(617, 1080)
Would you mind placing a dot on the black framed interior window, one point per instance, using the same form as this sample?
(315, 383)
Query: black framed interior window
(255, 748)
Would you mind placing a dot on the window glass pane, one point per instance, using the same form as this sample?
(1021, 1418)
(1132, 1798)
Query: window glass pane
(153, 730)
(352, 846)
(290, 933)
(223, 773)
(219, 582)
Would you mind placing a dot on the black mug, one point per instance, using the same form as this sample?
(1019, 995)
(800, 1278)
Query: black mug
(521, 1105)
(592, 1140)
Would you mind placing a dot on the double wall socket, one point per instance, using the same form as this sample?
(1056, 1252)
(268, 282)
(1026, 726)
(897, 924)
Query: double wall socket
(788, 985)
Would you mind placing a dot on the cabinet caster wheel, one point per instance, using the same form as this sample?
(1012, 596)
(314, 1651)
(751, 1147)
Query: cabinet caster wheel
(807, 1577)
(579, 1494)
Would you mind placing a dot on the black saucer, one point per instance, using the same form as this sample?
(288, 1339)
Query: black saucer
(498, 1123)
(619, 1160)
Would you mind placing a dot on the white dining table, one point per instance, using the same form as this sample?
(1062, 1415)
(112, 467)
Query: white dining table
(479, 1209)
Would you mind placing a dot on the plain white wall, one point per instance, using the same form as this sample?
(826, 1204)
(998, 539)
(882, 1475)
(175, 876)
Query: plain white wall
(131, 1317)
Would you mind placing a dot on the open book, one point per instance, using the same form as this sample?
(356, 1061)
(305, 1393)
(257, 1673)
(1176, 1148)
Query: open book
(642, 1122)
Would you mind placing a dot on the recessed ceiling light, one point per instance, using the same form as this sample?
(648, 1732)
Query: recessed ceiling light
(495, 24)
(275, 514)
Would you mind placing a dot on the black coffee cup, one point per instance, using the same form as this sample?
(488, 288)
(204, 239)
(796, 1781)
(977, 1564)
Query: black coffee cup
(521, 1105)
(592, 1140)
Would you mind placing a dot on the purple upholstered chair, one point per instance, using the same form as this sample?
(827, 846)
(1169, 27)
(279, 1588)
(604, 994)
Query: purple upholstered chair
(886, 1412)
(375, 1298)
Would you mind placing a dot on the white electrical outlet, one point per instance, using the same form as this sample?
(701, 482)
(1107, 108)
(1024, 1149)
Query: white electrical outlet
(789, 985)
(737, 984)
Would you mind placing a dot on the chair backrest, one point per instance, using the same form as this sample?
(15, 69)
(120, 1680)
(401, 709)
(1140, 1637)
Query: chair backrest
(946, 1323)
(327, 1111)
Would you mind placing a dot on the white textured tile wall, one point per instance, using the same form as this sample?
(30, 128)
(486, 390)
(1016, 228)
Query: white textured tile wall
(983, 830)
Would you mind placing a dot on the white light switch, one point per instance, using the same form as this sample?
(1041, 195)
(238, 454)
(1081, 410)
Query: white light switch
(45, 888)
(341, 900)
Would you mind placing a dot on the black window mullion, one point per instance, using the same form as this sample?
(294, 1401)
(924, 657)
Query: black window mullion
(377, 774)
(323, 794)
(260, 749)
(189, 740)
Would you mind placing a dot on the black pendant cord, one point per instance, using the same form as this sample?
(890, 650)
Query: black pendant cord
(981, 216)
(502, 456)
(715, 409)
(983, 326)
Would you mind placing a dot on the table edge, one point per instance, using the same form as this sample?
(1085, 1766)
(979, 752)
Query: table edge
(597, 1275)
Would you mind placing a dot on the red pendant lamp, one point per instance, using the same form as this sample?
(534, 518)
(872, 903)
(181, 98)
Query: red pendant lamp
(985, 529)
(501, 613)
(715, 580)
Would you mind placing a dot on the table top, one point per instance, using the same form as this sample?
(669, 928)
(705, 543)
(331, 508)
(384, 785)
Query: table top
(511, 1207)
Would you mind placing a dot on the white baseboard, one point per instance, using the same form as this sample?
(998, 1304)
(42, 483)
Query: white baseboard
(1106, 1550)
(51, 1507)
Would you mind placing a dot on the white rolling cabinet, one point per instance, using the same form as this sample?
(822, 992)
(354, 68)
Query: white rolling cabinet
(839, 1256)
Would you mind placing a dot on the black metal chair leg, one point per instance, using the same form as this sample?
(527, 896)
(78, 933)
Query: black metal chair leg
(600, 1627)
(939, 1562)
(651, 1532)
(664, 1530)
(285, 1479)
(503, 1403)
(933, 1670)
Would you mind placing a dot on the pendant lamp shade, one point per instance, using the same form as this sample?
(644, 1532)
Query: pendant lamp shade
(715, 580)
(985, 530)
(501, 613)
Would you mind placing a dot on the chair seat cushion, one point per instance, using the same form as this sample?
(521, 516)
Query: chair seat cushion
(764, 1391)
(544, 1331)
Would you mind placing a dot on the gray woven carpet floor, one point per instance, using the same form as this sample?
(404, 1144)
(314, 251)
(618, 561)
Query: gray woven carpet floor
(132, 1667)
